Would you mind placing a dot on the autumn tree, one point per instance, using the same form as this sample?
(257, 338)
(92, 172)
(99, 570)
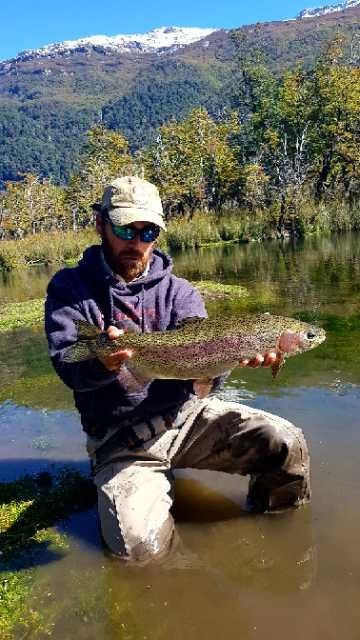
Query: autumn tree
(336, 95)
(31, 205)
(104, 158)
(192, 161)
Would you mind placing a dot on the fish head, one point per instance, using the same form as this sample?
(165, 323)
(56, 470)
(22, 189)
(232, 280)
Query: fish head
(300, 338)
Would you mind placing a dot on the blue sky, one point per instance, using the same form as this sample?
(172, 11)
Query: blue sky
(28, 24)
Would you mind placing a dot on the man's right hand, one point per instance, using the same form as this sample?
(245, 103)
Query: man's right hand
(114, 361)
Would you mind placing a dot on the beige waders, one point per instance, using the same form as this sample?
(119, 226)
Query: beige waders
(134, 477)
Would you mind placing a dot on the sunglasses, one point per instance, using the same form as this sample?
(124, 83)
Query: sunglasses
(126, 232)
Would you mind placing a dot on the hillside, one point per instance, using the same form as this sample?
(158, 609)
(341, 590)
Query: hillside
(50, 97)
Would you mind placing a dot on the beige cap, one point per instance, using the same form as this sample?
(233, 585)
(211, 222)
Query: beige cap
(131, 199)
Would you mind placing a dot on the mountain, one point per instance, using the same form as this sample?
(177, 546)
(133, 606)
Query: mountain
(162, 40)
(49, 97)
(322, 11)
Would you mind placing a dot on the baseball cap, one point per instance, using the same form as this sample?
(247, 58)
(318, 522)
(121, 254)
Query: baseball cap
(131, 199)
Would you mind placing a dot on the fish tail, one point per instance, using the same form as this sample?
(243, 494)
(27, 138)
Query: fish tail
(78, 352)
(86, 331)
(83, 347)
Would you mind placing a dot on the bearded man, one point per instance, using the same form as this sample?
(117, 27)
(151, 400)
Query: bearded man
(137, 435)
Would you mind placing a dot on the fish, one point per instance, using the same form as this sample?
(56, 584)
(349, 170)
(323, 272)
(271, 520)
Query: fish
(200, 348)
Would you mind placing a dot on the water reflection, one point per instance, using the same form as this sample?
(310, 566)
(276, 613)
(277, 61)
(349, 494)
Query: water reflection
(25, 284)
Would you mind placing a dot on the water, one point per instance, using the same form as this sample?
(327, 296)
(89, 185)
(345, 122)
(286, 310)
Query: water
(232, 574)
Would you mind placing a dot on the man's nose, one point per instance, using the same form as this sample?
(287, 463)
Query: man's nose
(135, 241)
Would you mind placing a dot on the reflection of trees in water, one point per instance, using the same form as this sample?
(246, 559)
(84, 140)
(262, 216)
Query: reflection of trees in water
(25, 284)
(24, 350)
(314, 275)
(26, 373)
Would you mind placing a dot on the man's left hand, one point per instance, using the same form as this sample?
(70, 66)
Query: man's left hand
(203, 387)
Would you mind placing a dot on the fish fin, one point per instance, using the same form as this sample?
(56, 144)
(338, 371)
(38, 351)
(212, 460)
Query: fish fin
(275, 368)
(78, 352)
(132, 380)
(86, 331)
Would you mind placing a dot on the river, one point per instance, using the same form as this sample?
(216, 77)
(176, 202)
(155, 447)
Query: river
(232, 575)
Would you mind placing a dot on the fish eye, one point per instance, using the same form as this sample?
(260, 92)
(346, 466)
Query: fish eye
(310, 335)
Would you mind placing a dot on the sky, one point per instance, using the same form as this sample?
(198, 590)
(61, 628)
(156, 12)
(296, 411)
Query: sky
(30, 24)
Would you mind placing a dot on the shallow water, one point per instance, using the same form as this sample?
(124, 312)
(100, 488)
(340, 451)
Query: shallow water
(232, 574)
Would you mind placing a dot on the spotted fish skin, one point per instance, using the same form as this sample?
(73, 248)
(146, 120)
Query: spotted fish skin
(200, 348)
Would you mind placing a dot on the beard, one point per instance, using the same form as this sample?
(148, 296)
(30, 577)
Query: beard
(128, 264)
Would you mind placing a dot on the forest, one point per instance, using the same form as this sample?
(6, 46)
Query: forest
(286, 152)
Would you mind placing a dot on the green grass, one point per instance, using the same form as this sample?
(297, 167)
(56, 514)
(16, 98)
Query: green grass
(19, 618)
(45, 248)
(211, 290)
(21, 314)
(30, 507)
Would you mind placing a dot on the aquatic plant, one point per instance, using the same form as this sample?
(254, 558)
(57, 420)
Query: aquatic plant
(21, 314)
(29, 508)
(31, 312)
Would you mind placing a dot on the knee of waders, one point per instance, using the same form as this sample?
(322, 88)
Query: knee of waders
(137, 546)
(260, 445)
(277, 490)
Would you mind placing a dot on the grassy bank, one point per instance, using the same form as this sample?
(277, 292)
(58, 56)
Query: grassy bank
(31, 312)
(201, 230)
(58, 248)
(44, 248)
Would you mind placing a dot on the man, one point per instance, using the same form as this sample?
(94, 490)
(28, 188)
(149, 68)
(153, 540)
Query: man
(138, 432)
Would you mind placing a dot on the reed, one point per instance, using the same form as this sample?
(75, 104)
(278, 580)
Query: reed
(45, 248)
(201, 229)
(207, 228)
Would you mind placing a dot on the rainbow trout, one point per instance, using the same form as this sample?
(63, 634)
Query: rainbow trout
(200, 348)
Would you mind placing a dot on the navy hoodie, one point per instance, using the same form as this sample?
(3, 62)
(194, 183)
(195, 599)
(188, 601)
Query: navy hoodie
(154, 302)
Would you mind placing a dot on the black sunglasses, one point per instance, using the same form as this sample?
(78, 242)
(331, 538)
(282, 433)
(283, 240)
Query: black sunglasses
(127, 232)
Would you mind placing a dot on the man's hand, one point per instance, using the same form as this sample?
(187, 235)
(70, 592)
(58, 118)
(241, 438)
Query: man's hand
(203, 387)
(114, 361)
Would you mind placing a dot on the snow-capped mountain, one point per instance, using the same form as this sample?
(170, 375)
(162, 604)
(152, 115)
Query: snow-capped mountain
(313, 13)
(169, 38)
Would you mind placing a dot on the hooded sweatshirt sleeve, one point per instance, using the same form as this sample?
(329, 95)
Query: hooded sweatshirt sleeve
(62, 309)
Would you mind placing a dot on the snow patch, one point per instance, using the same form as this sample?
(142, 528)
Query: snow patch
(152, 42)
(321, 11)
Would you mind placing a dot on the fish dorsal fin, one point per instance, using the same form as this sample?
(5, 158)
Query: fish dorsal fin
(86, 331)
(190, 322)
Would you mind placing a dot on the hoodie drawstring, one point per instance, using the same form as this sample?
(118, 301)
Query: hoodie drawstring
(142, 309)
(111, 305)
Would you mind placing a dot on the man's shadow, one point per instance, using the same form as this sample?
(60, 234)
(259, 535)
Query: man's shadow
(38, 502)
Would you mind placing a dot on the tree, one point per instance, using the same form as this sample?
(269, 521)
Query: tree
(192, 161)
(104, 158)
(336, 145)
(31, 205)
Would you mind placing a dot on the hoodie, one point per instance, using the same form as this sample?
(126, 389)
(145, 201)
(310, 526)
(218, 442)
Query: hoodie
(156, 301)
